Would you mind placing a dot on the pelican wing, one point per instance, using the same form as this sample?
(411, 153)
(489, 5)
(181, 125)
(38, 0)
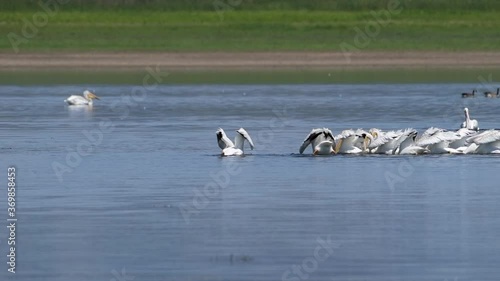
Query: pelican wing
(350, 141)
(403, 135)
(431, 131)
(380, 140)
(464, 132)
(328, 134)
(485, 137)
(76, 100)
(434, 136)
(361, 132)
(345, 134)
(312, 135)
(463, 135)
(245, 134)
(222, 140)
(413, 150)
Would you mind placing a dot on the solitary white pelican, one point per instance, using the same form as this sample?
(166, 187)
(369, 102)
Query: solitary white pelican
(485, 142)
(233, 149)
(79, 100)
(468, 123)
(321, 141)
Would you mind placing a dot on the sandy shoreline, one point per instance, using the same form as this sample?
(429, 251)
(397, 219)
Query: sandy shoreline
(247, 60)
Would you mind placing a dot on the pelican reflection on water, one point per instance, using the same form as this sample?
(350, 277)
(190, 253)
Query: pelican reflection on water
(79, 111)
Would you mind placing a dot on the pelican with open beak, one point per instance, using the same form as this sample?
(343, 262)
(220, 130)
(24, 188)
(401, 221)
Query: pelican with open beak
(86, 99)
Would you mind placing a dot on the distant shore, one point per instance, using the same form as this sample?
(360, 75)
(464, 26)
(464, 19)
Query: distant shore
(240, 30)
(136, 61)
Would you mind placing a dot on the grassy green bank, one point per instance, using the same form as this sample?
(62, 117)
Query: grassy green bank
(245, 30)
(253, 77)
(254, 5)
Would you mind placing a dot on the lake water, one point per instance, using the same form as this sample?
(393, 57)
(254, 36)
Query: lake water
(134, 189)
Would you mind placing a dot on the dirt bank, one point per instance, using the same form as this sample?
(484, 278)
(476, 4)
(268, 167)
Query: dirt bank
(247, 60)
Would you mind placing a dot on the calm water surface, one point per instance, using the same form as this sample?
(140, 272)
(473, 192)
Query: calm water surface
(134, 205)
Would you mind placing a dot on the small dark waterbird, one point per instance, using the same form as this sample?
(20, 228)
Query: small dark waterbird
(492, 94)
(469, 95)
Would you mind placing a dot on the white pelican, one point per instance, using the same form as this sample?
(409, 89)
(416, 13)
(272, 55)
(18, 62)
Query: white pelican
(407, 145)
(486, 142)
(386, 142)
(468, 123)
(233, 149)
(461, 144)
(437, 141)
(381, 142)
(86, 99)
(321, 141)
(352, 142)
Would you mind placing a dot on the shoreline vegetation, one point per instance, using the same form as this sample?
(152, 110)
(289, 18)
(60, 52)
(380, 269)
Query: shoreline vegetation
(222, 41)
(55, 29)
(256, 5)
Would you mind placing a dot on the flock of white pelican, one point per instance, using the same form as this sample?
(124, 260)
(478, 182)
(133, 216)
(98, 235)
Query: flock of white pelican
(466, 140)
